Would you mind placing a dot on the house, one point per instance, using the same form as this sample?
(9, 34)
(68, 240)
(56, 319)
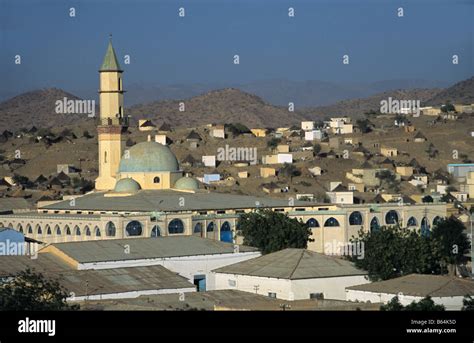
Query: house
(460, 196)
(315, 171)
(162, 139)
(165, 127)
(409, 128)
(188, 161)
(209, 161)
(292, 274)
(145, 125)
(193, 136)
(448, 291)
(217, 131)
(259, 132)
(285, 158)
(460, 170)
(460, 108)
(419, 137)
(340, 195)
(307, 125)
(430, 111)
(271, 188)
(209, 178)
(282, 148)
(243, 174)
(419, 180)
(267, 172)
(388, 152)
(356, 187)
(313, 135)
(360, 151)
(277, 159)
(404, 170)
(340, 126)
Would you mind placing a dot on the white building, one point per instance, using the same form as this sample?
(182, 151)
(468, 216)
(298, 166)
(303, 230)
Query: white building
(285, 158)
(209, 161)
(444, 290)
(313, 135)
(307, 125)
(292, 274)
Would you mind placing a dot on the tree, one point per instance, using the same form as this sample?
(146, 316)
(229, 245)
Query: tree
(271, 231)
(30, 291)
(289, 170)
(448, 107)
(425, 304)
(272, 143)
(237, 128)
(364, 125)
(316, 149)
(468, 303)
(450, 235)
(391, 252)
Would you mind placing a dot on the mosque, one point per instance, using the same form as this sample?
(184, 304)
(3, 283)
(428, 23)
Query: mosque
(141, 192)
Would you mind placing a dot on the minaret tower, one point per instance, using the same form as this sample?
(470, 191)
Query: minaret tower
(111, 120)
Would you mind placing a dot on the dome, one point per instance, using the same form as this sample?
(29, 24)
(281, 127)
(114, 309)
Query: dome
(127, 185)
(148, 157)
(187, 183)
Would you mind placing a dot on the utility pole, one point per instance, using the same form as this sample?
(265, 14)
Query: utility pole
(256, 288)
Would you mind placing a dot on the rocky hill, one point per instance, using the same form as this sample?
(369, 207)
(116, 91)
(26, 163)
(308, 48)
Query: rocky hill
(461, 92)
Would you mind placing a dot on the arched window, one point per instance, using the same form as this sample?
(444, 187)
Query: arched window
(412, 222)
(198, 228)
(48, 230)
(155, 232)
(120, 85)
(20, 228)
(436, 220)
(226, 233)
(11, 226)
(355, 218)
(110, 229)
(391, 218)
(374, 224)
(210, 227)
(311, 222)
(97, 231)
(57, 229)
(156, 179)
(425, 227)
(1, 225)
(134, 228)
(175, 226)
(29, 229)
(77, 231)
(331, 222)
(87, 230)
(39, 230)
(68, 230)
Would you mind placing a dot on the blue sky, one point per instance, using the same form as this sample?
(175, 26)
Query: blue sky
(64, 52)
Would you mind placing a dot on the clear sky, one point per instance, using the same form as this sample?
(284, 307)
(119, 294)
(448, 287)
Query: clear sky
(60, 51)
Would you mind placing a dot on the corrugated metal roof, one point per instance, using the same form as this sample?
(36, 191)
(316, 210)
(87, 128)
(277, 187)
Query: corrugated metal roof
(145, 248)
(8, 204)
(169, 200)
(421, 285)
(293, 264)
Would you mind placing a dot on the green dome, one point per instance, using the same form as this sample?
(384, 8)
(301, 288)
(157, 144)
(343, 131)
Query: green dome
(127, 185)
(187, 183)
(148, 157)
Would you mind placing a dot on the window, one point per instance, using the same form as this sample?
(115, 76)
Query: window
(412, 222)
(57, 229)
(197, 228)
(68, 230)
(355, 218)
(110, 229)
(436, 220)
(374, 224)
(77, 231)
(391, 217)
(48, 230)
(272, 295)
(425, 227)
(175, 226)
(331, 222)
(210, 227)
(316, 296)
(88, 231)
(312, 223)
(134, 228)
(155, 232)
(226, 233)
(156, 179)
(97, 231)
(105, 156)
(39, 231)
(29, 229)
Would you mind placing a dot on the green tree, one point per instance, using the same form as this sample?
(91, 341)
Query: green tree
(450, 236)
(289, 171)
(364, 125)
(272, 143)
(316, 149)
(468, 303)
(425, 304)
(392, 251)
(30, 291)
(272, 231)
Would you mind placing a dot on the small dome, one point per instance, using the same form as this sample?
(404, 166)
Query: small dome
(187, 183)
(127, 185)
(148, 157)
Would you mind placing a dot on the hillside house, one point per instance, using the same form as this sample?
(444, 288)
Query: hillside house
(267, 172)
(307, 125)
(209, 161)
(146, 125)
(259, 132)
(388, 152)
(217, 131)
(419, 137)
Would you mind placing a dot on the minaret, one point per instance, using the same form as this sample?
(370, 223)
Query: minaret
(111, 120)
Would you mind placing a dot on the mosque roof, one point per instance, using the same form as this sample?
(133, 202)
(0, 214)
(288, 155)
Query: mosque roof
(110, 62)
(148, 157)
(187, 183)
(127, 185)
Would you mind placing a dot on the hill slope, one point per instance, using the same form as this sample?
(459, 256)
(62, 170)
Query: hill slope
(461, 92)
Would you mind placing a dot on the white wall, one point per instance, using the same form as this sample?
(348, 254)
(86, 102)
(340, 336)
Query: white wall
(186, 266)
(131, 294)
(332, 288)
(451, 303)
